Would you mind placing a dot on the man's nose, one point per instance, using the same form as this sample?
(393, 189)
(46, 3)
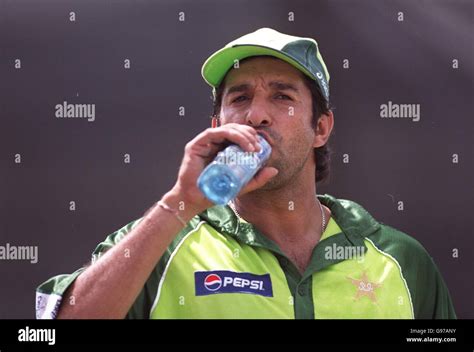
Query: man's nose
(257, 114)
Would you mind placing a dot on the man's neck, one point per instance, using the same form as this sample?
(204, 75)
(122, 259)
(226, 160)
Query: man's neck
(286, 215)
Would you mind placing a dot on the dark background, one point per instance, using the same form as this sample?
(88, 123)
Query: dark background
(63, 160)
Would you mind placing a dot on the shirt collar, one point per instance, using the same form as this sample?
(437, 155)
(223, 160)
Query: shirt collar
(353, 220)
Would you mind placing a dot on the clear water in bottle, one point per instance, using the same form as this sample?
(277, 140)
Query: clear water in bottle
(231, 170)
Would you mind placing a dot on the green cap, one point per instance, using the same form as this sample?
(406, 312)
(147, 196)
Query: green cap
(302, 53)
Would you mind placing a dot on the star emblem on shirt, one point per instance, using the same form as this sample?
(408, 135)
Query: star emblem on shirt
(365, 287)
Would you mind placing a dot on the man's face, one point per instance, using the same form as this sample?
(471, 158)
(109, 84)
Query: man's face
(270, 95)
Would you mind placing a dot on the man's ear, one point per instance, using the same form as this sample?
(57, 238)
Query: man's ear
(323, 129)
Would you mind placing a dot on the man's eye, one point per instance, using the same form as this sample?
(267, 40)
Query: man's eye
(283, 97)
(239, 99)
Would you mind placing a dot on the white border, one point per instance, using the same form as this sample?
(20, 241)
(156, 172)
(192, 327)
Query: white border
(47, 305)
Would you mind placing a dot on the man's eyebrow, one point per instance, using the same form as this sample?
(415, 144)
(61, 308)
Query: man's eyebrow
(283, 86)
(238, 88)
(274, 84)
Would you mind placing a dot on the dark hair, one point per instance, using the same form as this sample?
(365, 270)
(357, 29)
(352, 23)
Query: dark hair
(320, 106)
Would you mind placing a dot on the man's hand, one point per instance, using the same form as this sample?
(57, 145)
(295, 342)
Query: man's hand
(200, 151)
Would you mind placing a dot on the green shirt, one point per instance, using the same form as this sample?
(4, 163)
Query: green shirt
(220, 266)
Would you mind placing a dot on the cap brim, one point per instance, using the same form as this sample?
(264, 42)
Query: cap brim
(215, 68)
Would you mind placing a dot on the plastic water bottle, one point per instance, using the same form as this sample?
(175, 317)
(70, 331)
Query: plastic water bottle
(231, 170)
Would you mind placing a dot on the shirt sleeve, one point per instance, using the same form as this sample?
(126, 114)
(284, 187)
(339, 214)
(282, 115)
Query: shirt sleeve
(49, 294)
(429, 294)
(441, 304)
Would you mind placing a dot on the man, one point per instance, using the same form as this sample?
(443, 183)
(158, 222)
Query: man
(278, 250)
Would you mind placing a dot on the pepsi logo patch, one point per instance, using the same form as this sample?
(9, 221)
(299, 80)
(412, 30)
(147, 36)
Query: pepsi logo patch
(212, 282)
(224, 281)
